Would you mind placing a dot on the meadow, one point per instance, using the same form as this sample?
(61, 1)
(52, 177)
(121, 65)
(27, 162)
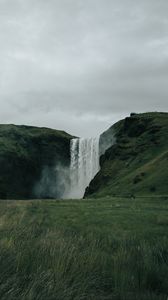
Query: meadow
(93, 249)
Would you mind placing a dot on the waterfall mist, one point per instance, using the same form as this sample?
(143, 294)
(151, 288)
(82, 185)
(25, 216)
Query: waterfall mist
(70, 182)
(54, 182)
(84, 164)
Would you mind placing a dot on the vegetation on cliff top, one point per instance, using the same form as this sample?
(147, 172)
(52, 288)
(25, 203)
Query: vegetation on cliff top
(137, 164)
(24, 152)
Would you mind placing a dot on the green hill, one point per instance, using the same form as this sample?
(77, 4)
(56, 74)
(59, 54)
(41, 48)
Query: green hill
(28, 160)
(137, 164)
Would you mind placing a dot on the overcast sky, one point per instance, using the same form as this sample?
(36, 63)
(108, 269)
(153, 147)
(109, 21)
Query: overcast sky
(81, 65)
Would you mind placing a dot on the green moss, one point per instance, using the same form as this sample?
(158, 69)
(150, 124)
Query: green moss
(138, 162)
(24, 152)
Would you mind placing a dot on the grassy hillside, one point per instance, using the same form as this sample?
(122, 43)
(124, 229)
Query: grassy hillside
(25, 153)
(107, 249)
(138, 163)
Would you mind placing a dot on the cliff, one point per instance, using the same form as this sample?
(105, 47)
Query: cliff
(137, 163)
(29, 161)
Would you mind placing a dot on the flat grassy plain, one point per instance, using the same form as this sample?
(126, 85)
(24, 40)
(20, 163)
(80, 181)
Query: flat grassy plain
(101, 249)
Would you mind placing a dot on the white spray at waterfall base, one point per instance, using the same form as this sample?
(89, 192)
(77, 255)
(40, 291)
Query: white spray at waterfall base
(63, 181)
(84, 164)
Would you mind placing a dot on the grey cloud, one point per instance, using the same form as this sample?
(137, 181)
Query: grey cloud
(79, 65)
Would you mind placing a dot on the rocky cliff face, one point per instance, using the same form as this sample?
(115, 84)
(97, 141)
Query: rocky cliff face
(34, 162)
(107, 139)
(30, 161)
(137, 164)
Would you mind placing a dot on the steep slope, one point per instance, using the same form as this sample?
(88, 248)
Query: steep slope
(137, 164)
(28, 160)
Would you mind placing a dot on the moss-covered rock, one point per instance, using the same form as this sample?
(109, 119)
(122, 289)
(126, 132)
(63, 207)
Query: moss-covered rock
(138, 162)
(25, 152)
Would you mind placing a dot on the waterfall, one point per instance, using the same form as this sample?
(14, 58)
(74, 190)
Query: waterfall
(84, 164)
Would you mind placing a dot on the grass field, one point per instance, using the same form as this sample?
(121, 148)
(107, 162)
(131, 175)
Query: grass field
(100, 249)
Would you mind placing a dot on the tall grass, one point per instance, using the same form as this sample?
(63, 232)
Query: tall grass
(41, 260)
